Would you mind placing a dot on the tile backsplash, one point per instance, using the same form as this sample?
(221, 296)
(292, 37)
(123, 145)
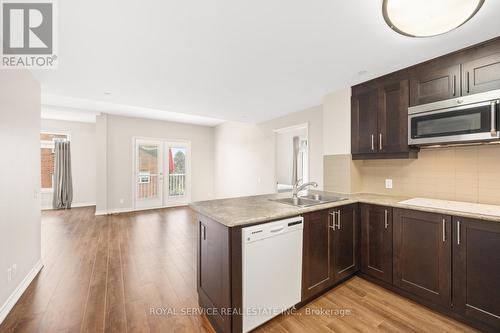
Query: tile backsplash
(461, 173)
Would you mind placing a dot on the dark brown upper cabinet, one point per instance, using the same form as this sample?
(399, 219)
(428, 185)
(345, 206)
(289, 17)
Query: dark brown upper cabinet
(376, 242)
(481, 74)
(422, 255)
(344, 247)
(434, 82)
(379, 119)
(379, 107)
(476, 270)
(364, 115)
(393, 117)
(316, 253)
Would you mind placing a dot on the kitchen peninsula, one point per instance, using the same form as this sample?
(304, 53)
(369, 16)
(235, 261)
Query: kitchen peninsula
(380, 238)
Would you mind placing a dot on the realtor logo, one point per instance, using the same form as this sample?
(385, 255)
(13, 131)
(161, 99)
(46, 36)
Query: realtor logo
(28, 34)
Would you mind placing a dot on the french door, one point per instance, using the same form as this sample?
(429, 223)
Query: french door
(162, 176)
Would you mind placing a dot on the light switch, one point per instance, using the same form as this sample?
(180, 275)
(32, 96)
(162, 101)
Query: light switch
(388, 183)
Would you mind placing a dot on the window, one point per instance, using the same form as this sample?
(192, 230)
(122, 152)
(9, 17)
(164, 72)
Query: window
(47, 156)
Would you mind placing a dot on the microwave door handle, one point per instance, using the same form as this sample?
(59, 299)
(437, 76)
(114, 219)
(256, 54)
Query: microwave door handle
(494, 118)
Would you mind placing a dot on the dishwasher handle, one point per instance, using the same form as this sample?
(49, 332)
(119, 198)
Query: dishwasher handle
(276, 230)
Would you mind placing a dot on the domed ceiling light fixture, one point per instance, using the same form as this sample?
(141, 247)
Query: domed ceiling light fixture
(426, 18)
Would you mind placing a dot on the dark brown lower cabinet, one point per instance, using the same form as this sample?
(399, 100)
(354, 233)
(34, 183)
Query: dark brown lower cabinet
(316, 253)
(330, 248)
(213, 273)
(450, 264)
(344, 247)
(422, 254)
(476, 270)
(376, 241)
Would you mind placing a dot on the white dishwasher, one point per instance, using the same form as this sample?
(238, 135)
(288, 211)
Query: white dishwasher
(272, 269)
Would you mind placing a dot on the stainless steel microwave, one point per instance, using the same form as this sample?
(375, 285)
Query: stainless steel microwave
(473, 118)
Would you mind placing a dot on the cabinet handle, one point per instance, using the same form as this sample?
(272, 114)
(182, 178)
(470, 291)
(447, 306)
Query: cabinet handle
(339, 226)
(454, 85)
(458, 232)
(468, 82)
(203, 231)
(333, 220)
(373, 142)
(444, 230)
(380, 141)
(386, 219)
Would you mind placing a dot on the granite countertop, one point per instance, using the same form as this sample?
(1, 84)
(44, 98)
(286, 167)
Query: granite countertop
(241, 211)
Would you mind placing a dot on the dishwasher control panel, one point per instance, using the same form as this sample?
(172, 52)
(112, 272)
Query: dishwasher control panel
(270, 229)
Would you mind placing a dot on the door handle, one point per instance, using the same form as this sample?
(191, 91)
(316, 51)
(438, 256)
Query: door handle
(333, 220)
(373, 142)
(386, 224)
(444, 230)
(458, 232)
(380, 141)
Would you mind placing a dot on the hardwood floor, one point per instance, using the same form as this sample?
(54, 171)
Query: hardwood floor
(108, 273)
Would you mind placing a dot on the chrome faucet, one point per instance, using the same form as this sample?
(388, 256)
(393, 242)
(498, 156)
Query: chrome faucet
(297, 188)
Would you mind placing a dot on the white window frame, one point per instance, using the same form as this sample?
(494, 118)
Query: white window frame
(51, 145)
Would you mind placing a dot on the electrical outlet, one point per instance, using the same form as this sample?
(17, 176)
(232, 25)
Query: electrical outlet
(388, 183)
(122, 201)
(14, 270)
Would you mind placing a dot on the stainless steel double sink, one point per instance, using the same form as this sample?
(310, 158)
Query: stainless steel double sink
(309, 200)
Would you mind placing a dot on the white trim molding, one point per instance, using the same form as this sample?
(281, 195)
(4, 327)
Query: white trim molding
(74, 205)
(18, 292)
(128, 210)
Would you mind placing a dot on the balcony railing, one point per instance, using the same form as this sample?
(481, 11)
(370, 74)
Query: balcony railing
(177, 184)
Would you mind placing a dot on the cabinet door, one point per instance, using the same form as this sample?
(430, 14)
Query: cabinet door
(422, 254)
(476, 270)
(316, 253)
(434, 82)
(481, 75)
(376, 242)
(364, 111)
(344, 247)
(393, 117)
(213, 278)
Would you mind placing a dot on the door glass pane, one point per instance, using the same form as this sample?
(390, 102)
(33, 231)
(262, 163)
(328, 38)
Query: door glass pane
(147, 176)
(176, 171)
(47, 163)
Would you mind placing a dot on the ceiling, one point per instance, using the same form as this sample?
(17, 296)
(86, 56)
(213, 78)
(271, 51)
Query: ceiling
(230, 59)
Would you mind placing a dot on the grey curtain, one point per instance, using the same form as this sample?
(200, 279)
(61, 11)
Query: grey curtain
(62, 182)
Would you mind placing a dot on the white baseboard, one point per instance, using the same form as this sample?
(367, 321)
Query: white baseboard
(21, 288)
(73, 205)
(100, 212)
(128, 210)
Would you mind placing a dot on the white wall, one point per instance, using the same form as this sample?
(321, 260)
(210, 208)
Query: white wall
(118, 156)
(83, 160)
(243, 160)
(245, 153)
(20, 179)
(337, 122)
